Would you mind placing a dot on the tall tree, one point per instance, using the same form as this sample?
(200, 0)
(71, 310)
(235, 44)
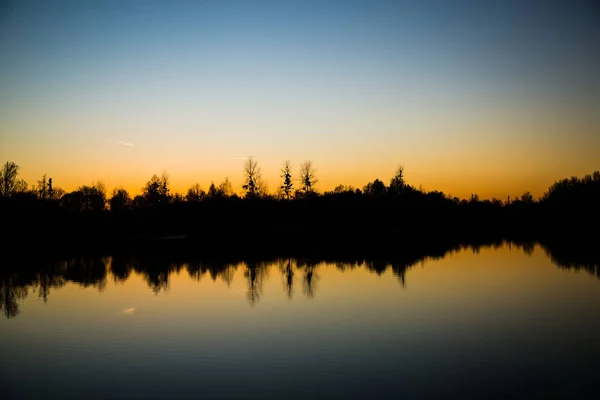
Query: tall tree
(43, 189)
(397, 184)
(253, 179)
(286, 174)
(46, 190)
(308, 178)
(9, 184)
(50, 189)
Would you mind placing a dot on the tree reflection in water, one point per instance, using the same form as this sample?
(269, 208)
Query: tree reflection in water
(18, 277)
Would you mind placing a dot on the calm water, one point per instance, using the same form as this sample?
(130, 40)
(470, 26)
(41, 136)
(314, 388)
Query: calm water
(501, 322)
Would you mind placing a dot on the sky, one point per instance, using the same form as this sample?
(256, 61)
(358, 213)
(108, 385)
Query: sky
(487, 97)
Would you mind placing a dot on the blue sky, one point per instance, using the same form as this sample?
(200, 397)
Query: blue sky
(461, 92)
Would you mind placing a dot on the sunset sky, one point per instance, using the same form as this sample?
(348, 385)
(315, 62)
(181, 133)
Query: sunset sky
(488, 97)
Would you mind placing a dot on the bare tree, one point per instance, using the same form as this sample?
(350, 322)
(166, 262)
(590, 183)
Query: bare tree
(286, 174)
(253, 185)
(225, 188)
(43, 189)
(308, 178)
(56, 193)
(9, 184)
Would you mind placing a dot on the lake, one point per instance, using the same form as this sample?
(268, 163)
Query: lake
(478, 322)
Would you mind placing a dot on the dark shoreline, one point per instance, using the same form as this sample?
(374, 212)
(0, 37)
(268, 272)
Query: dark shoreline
(379, 221)
(400, 246)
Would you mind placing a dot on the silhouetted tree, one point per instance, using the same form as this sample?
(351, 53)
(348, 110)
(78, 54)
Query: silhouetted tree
(527, 198)
(86, 198)
(156, 191)
(212, 191)
(397, 184)
(43, 189)
(574, 192)
(138, 202)
(223, 191)
(496, 202)
(50, 189)
(376, 188)
(195, 193)
(225, 188)
(308, 178)
(72, 201)
(178, 198)
(120, 200)
(55, 193)
(339, 189)
(252, 178)
(286, 174)
(9, 184)
(93, 197)
(567, 205)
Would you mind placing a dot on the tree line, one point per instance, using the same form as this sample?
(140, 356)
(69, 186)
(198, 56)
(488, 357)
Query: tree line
(157, 191)
(296, 216)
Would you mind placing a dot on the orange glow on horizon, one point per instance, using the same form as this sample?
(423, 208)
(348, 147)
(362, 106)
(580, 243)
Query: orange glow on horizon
(487, 184)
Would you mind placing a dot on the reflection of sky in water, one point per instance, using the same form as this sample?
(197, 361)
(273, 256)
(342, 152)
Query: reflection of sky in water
(487, 324)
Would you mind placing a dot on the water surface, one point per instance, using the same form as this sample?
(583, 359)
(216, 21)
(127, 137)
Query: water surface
(486, 322)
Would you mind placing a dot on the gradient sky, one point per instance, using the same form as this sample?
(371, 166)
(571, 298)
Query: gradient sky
(488, 97)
